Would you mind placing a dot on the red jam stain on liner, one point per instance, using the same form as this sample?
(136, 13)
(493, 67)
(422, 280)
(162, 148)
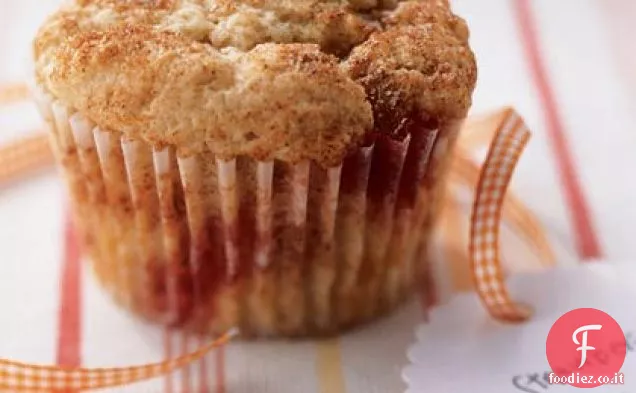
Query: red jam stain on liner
(198, 275)
(246, 232)
(209, 267)
(246, 240)
(180, 281)
(171, 278)
(387, 163)
(423, 139)
(243, 233)
(353, 189)
(354, 176)
(417, 172)
(390, 133)
(156, 273)
(318, 183)
(386, 167)
(196, 281)
(182, 293)
(319, 246)
(210, 273)
(287, 247)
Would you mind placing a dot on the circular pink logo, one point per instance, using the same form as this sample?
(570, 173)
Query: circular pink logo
(586, 348)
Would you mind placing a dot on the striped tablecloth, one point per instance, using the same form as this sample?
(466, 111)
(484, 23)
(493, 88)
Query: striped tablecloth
(567, 66)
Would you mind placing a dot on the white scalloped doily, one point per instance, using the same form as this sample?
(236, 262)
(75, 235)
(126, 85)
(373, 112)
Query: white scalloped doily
(462, 349)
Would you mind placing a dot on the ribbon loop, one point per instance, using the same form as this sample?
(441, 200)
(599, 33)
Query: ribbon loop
(510, 139)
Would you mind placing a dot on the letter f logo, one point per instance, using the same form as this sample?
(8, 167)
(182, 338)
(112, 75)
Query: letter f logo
(583, 344)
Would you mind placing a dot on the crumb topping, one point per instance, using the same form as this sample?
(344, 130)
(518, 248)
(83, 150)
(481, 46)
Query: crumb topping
(285, 79)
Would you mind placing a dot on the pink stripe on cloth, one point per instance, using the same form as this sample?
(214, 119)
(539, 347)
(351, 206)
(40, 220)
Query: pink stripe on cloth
(203, 372)
(69, 313)
(168, 351)
(588, 246)
(220, 370)
(186, 376)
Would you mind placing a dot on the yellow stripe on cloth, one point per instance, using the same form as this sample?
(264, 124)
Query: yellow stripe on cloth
(329, 367)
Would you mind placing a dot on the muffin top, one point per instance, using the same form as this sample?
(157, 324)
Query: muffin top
(272, 79)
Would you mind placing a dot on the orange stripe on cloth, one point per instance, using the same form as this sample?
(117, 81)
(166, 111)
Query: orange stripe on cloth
(12, 93)
(585, 236)
(329, 367)
(69, 313)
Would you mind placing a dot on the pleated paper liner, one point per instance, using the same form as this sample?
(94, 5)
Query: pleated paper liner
(281, 249)
(19, 376)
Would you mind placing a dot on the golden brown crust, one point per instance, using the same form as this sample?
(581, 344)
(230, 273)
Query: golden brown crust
(421, 63)
(287, 79)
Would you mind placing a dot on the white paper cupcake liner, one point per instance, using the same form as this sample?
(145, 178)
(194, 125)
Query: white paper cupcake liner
(270, 247)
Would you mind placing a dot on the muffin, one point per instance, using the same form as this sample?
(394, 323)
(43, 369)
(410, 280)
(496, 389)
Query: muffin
(275, 166)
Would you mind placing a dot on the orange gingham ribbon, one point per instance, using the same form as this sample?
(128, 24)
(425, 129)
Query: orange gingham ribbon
(493, 178)
(16, 376)
(510, 139)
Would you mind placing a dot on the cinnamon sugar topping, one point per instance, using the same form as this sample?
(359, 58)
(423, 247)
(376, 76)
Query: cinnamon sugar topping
(287, 79)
